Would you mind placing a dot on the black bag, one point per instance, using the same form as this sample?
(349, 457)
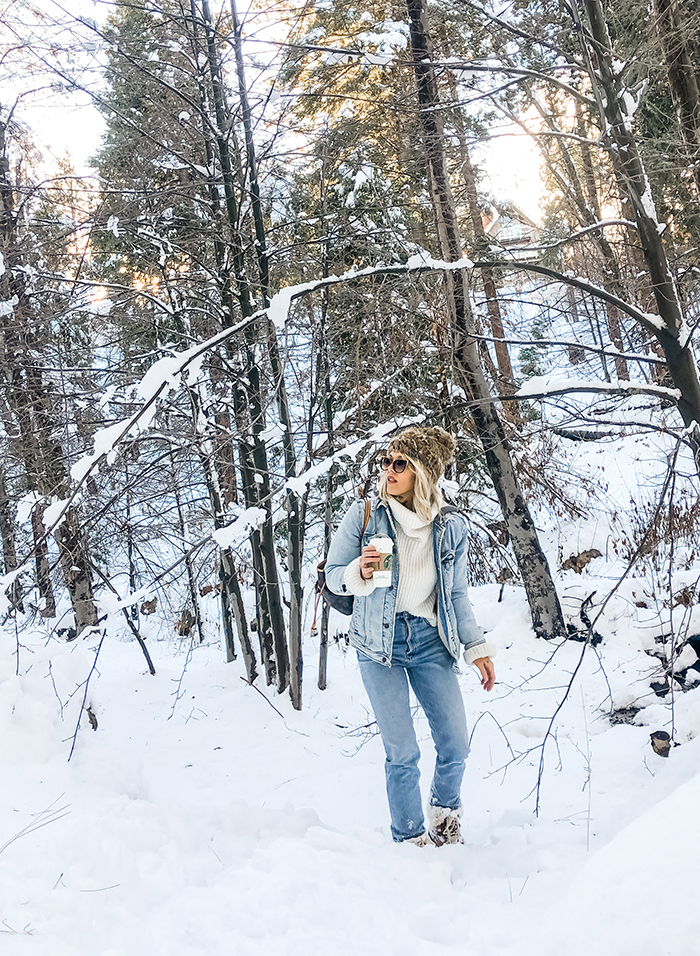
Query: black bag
(341, 602)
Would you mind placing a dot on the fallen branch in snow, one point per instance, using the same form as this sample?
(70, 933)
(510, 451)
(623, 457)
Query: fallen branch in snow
(101, 889)
(578, 434)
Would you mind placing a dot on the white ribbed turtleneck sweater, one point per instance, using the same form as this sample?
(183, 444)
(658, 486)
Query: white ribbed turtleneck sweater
(417, 575)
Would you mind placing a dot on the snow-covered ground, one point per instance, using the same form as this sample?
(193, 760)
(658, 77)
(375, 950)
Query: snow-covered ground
(203, 815)
(197, 819)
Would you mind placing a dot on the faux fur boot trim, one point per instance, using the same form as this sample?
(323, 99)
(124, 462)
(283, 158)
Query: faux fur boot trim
(423, 839)
(444, 825)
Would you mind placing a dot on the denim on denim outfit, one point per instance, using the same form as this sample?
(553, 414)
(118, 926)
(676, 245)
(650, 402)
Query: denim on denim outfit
(372, 624)
(395, 649)
(419, 657)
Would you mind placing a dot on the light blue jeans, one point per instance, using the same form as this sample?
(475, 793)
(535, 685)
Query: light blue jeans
(418, 656)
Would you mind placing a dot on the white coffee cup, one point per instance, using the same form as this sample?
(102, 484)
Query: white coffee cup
(382, 571)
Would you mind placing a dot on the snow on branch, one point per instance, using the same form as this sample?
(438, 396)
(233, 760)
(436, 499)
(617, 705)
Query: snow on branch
(239, 529)
(298, 484)
(652, 322)
(542, 386)
(470, 66)
(419, 262)
(165, 374)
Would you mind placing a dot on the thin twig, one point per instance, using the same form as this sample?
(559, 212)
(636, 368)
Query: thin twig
(87, 687)
(487, 713)
(178, 692)
(548, 733)
(42, 819)
(246, 681)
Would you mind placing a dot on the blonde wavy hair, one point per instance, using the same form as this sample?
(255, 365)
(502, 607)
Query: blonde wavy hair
(426, 494)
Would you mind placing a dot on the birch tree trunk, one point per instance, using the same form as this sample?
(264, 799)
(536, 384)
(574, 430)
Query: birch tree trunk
(547, 617)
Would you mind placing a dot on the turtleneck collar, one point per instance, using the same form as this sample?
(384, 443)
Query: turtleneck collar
(409, 520)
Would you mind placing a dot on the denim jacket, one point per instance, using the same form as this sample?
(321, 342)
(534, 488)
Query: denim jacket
(372, 623)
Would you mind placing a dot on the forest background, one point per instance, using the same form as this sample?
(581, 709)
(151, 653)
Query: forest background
(283, 251)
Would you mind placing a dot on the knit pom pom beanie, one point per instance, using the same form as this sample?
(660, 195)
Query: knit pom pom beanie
(433, 448)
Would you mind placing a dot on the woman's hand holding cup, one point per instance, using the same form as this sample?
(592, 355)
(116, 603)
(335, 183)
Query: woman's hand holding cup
(369, 562)
(377, 559)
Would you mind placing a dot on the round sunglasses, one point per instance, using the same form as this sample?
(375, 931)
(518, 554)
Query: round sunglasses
(398, 464)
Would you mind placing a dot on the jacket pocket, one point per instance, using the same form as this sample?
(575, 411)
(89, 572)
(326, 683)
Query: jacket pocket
(447, 565)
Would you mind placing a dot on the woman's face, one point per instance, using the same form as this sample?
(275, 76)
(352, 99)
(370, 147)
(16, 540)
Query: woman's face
(402, 484)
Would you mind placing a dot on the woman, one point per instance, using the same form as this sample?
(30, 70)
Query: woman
(413, 631)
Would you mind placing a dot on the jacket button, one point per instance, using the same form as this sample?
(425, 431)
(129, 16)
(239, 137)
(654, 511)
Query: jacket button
(383, 660)
(386, 625)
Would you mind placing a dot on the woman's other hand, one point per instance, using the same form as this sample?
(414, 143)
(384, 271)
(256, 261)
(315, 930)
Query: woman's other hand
(369, 562)
(487, 671)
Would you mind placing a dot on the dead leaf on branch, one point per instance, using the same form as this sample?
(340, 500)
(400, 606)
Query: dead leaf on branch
(185, 623)
(686, 597)
(148, 607)
(577, 562)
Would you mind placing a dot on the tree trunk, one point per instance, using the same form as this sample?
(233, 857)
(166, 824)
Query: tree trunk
(681, 57)
(72, 548)
(257, 489)
(191, 576)
(673, 334)
(547, 617)
(7, 533)
(294, 505)
(323, 378)
(41, 453)
(232, 607)
(505, 382)
(42, 563)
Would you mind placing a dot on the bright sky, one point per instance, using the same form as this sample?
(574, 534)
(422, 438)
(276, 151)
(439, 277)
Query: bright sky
(68, 123)
(65, 127)
(510, 169)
